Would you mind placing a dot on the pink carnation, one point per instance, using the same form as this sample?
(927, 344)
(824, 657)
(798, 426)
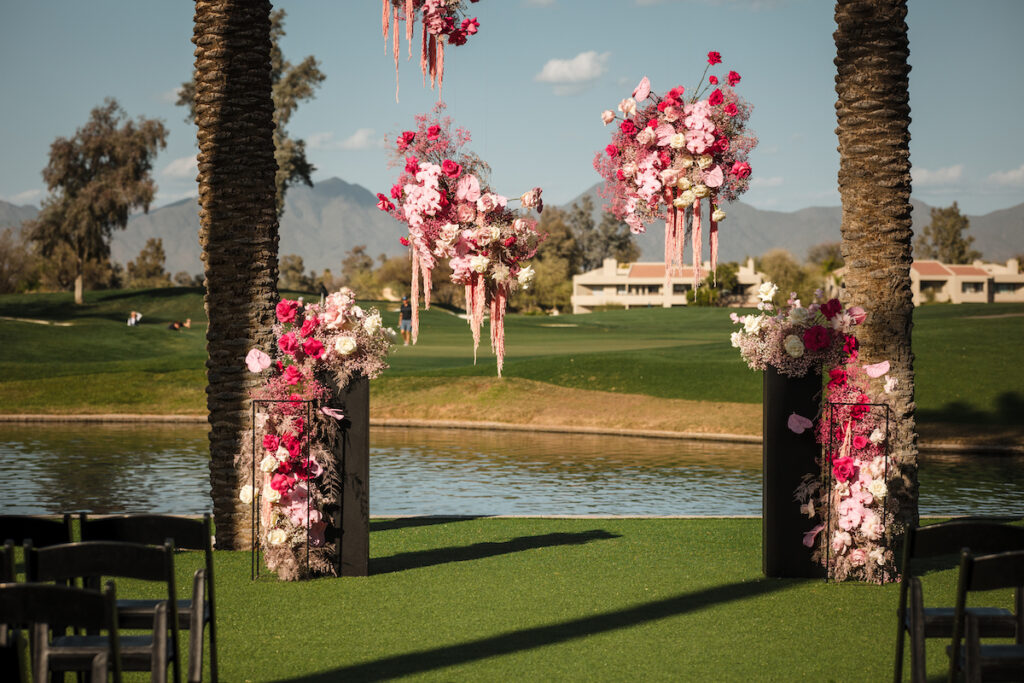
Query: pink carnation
(286, 310)
(288, 343)
(313, 348)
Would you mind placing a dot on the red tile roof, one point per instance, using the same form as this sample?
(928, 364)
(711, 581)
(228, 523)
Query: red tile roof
(656, 270)
(968, 270)
(930, 268)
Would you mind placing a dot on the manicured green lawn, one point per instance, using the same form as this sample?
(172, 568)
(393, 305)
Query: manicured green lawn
(965, 356)
(559, 599)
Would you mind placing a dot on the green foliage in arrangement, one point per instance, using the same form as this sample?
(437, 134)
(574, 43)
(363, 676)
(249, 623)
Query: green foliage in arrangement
(85, 359)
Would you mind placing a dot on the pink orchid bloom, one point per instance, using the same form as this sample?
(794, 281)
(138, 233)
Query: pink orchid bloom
(798, 424)
(877, 369)
(331, 412)
(642, 90)
(257, 361)
(664, 133)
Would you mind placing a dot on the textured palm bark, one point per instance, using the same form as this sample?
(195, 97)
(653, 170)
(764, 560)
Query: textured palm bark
(238, 228)
(873, 112)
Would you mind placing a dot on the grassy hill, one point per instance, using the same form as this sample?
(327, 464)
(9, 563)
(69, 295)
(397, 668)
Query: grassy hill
(646, 368)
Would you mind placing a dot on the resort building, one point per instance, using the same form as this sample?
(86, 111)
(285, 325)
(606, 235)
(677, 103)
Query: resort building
(977, 283)
(632, 285)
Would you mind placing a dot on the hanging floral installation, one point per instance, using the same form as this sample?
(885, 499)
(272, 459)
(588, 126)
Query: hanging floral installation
(670, 153)
(443, 196)
(441, 26)
(849, 498)
(320, 348)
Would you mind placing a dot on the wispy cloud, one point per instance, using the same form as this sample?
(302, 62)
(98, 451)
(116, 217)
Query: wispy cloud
(773, 181)
(185, 168)
(923, 177)
(1012, 178)
(572, 76)
(363, 138)
(168, 96)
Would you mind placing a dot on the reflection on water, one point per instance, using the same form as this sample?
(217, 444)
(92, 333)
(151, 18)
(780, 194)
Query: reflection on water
(163, 468)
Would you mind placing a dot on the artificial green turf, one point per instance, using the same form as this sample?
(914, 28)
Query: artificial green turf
(966, 369)
(560, 599)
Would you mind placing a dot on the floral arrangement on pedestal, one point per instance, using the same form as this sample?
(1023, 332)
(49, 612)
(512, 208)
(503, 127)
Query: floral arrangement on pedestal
(670, 153)
(441, 26)
(443, 196)
(320, 348)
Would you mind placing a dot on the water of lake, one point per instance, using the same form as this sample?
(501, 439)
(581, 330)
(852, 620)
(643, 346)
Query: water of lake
(52, 468)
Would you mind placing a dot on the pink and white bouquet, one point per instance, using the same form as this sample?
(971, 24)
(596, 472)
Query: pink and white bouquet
(320, 347)
(670, 153)
(444, 22)
(796, 339)
(443, 196)
(851, 498)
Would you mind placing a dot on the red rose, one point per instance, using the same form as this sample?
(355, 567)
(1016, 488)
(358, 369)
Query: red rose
(721, 144)
(292, 375)
(830, 308)
(837, 378)
(293, 444)
(451, 169)
(715, 98)
(396, 191)
(733, 79)
(510, 241)
(676, 92)
(665, 159)
(313, 348)
(281, 483)
(286, 310)
(652, 122)
(619, 174)
(858, 412)
(404, 241)
(663, 105)
(271, 442)
(405, 139)
(816, 338)
(383, 204)
(714, 58)
(713, 80)
(860, 441)
(612, 150)
(433, 132)
(740, 169)
(850, 344)
(843, 469)
(730, 109)
(628, 128)
(288, 344)
(308, 325)
(412, 165)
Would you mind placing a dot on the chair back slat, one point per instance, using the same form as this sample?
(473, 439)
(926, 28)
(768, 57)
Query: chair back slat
(99, 559)
(948, 538)
(7, 571)
(42, 531)
(188, 533)
(27, 603)
(1001, 570)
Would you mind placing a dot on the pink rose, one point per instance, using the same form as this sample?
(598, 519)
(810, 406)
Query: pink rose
(271, 442)
(730, 109)
(308, 325)
(451, 169)
(412, 165)
(860, 441)
(816, 338)
(465, 213)
(288, 344)
(532, 200)
(714, 58)
(715, 98)
(858, 558)
(612, 150)
(292, 375)
(740, 169)
(628, 128)
(286, 310)
(433, 132)
(313, 348)
(281, 483)
(843, 469)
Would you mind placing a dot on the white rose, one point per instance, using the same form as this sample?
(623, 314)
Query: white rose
(794, 347)
(767, 290)
(628, 106)
(703, 161)
(629, 169)
(799, 315)
(878, 555)
(345, 346)
(734, 339)
(684, 183)
(479, 263)
(277, 536)
(685, 199)
(282, 453)
(500, 272)
(718, 215)
(525, 277)
(271, 495)
(878, 489)
(877, 436)
(607, 116)
(646, 137)
(372, 323)
(701, 190)
(752, 323)
(268, 464)
(495, 233)
(677, 141)
(246, 494)
(685, 161)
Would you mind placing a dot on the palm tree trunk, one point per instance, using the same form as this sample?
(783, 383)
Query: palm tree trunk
(873, 112)
(238, 227)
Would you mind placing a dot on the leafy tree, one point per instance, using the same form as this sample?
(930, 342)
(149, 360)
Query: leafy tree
(147, 270)
(292, 274)
(717, 288)
(95, 179)
(17, 263)
(944, 240)
(610, 238)
(828, 256)
(291, 84)
(357, 271)
(784, 270)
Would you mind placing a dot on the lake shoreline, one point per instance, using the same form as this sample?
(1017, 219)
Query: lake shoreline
(964, 443)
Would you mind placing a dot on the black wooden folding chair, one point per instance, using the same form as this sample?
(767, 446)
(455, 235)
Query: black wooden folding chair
(41, 606)
(42, 531)
(989, 662)
(937, 546)
(187, 534)
(96, 560)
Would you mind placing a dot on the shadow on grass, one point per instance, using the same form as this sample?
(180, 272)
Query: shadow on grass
(1008, 409)
(411, 663)
(423, 520)
(479, 551)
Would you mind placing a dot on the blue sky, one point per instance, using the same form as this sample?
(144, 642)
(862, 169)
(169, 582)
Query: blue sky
(60, 58)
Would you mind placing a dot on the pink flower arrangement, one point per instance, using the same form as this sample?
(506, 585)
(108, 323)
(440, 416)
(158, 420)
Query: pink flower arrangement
(669, 153)
(320, 348)
(441, 25)
(795, 339)
(443, 196)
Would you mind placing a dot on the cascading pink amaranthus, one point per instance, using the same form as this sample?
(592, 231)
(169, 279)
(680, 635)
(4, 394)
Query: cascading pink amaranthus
(441, 26)
(668, 155)
(442, 195)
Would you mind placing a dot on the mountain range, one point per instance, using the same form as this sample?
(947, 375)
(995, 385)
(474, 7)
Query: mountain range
(322, 223)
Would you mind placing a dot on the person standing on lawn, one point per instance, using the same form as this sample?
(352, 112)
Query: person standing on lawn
(405, 320)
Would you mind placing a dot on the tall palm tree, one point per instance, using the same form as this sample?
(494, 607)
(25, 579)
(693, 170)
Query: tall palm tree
(238, 227)
(873, 111)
